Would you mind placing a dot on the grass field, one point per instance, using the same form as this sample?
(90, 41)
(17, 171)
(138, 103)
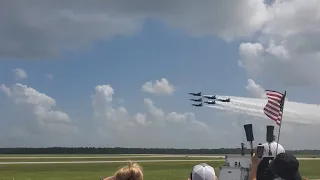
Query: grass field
(81, 171)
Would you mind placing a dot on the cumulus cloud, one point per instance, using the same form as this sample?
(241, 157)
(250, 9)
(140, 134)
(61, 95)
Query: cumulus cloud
(5, 90)
(19, 74)
(42, 29)
(41, 105)
(37, 114)
(188, 118)
(255, 90)
(250, 54)
(120, 126)
(288, 46)
(38, 123)
(106, 113)
(161, 86)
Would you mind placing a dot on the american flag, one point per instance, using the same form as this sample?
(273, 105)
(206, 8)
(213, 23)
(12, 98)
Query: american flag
(274, 107)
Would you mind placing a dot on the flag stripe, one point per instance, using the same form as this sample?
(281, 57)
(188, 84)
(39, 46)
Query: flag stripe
(272, 114)
(270, 111)
(274, 106)
(275, 99)
(273, 118)
(273, 94)
(274, 103)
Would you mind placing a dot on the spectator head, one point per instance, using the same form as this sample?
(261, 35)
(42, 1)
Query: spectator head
(132, 171)
(285, 166)
(203, 172)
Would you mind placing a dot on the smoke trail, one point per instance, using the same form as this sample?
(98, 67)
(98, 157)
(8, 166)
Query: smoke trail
(240, 111)
(293, 111)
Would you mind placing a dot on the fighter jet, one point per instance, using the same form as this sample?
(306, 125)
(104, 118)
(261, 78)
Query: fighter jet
(224, 100)
(198, 105)
(196, 94)
(210, 97)
(196, 100)
(210, 102)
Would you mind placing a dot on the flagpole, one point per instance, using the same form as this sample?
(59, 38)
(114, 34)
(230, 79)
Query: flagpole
(284, 97)
(278, 136)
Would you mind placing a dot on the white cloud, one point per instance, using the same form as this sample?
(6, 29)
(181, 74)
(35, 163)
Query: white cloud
(37, 123)
(288, 44)
(101, 99)
(227, 19)
(255, 90)
(41, 105)
(250, 54)
(142, 119)
(19, 74)
(289, 48)
(134, 129)
(161, 86)
(114, 123)
(42, 29)
(37, 115)
(6, 90)
(153, 110)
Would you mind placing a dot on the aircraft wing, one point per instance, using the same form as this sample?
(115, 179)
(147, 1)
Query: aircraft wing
(210, 102)
(210, 96)
(196, 94)
(224, 100)
(197, 100)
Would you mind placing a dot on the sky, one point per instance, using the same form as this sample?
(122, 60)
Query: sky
(118, 73)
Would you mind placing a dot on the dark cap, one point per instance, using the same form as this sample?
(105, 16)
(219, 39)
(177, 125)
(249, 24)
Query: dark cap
(286, 166)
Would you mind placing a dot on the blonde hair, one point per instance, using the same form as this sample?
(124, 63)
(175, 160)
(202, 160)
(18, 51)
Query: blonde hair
(132, 171)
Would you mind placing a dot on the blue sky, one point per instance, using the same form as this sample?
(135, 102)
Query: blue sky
(192, 64)
(192, 54)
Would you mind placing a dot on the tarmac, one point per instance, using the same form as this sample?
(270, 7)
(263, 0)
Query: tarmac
(113, 161)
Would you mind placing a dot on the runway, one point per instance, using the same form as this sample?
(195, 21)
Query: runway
(123, 161)
(97, 162)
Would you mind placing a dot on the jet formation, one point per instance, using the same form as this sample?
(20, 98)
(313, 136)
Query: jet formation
(211, 99)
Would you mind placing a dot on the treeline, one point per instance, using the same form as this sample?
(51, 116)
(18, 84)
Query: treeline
(119, 150)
